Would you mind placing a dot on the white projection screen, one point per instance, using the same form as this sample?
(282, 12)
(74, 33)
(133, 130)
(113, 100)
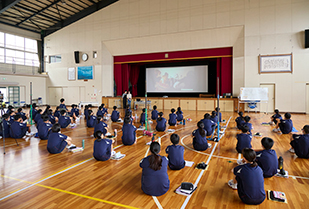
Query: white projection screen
(177, 79)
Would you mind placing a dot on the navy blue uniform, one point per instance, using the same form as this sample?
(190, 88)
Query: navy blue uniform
(129, 134)
(275, 117)
(250, 184)
(115, 116)
(268, 161)
(243, 141)
(239, 121)
(179, 115)
(34, 112)
(43, 130)
(86, 113)
(220, 116)
(142, 119)
(62, 106)
(76, 111)
(300, 143)
(209, 126)
(161, 125)
(175, 157)
(100, 127)
(286, 126)
(18, 130)
(214, 119)
(57, 114)
(100, 113)
(172, 119)
(91, 121)
(104, 111)
(249, 126)
(154, 183)
(56, 142)
(199, 143)
(6, 127)
(38, 117)
(102, 150)
(52, 119)
(23, 115)
(64, 121)
(154, 114)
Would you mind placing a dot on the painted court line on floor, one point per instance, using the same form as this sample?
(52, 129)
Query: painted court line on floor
(157, 202)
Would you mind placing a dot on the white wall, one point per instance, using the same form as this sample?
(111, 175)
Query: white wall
(144, 26)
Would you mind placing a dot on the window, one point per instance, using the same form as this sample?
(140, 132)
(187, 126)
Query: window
(18, 50)
(55, 59)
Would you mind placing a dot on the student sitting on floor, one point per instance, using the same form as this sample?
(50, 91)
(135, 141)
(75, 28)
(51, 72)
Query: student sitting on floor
(175, 154)
(46, 110)
(300, 143)
(64, 120)
(21, 113)
(220, 115)
(102, 147)
(100, 126)
(91, 120)
(249, 179)
(100, 112)
(275, 116)
(57, 112)
(179, 114)
(38, 116)
(44, 128)
(143, 119)
(214, 117)
(104, 110)
(10, 109)
(52, 118)
(172, 118)
(33, 111)
(18, 128)
(115, 114)
(161, 123)
(154, 113)
(74, 111)
(199, 138)
(86, 112)
(285, 126)
(128, 132)
(62, 105)
(11, 116)
(155, 180)
(5, 126)
(243, 139)
(267, 158)
(246, 123)
(209, 125)
(240, 120)
(57, 141)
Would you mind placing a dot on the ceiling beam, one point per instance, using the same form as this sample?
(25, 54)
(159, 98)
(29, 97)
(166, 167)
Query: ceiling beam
(13, 25)
(93, 8)
(43, 15)
(7, 4)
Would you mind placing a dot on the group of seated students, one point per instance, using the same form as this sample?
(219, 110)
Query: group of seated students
(259, 164)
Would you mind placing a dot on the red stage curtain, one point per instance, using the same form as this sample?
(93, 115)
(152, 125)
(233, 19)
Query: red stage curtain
(118, 79)
(226, 75)
(125, 76)
(218, 75)
(134, 73)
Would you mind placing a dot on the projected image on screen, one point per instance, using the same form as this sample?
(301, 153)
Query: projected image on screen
(177, 79)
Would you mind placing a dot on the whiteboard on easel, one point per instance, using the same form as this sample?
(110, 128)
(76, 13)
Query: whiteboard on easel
(253, 94)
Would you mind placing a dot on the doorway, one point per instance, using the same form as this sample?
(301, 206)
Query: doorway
(270, 106)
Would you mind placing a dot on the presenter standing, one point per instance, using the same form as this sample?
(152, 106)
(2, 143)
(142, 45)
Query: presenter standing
(129, 97)
(124, 99)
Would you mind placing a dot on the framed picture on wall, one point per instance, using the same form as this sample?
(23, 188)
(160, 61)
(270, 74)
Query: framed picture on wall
(71, 74)
(85, 73)
(281, 63)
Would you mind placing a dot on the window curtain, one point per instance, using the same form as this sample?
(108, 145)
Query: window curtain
(134, 74)
(39, 44)
(118, 79)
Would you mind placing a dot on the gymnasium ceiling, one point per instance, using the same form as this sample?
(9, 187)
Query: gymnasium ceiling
(47, 16)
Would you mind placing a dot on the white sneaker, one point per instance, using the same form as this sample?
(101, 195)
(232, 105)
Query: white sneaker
(240, 162)
(232, 184)
(71, 146)
(291, 150)
(209, 145)
(276, 130)
(73, 124)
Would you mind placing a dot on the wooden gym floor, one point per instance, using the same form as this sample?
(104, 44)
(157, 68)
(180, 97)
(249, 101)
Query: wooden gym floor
(33, 178)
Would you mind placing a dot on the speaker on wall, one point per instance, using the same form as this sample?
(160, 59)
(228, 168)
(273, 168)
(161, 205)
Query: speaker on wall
(76, 56)
(307, 38)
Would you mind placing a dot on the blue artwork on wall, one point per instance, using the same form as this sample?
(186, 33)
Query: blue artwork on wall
(85, 72)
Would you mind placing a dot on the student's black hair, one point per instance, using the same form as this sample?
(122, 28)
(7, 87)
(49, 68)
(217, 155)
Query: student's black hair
(178, 109)
(89, 114)
(102, 104)
(57, 108)
(33, 105)
(250, 155)
(50, 112)
(287, 115)
(276, 111)
(47, 108)
(45, 117)
(207, 116)
(213, 114)
(115, 107)
(98, 135)
(174, 139)
(306, 129)
(128, 113)
(39, 111)
(100, 108)
(56, 128)
(160, 116)
(267, 143)
(86, 107)
(143, 109)
(62, 112)
(173, 110)
(244, 128)
(155, 161)
(10, 107)
(19, 109)
(155, 107)
(61, 100)
(90, 105)
(72, 106)
(241, 114)
(5, 116)
(127, 120)
(216, 109)
(10, 112)
(16, 117)
(99, 118)
(201, 126)
(128, 106)
(247, 118)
